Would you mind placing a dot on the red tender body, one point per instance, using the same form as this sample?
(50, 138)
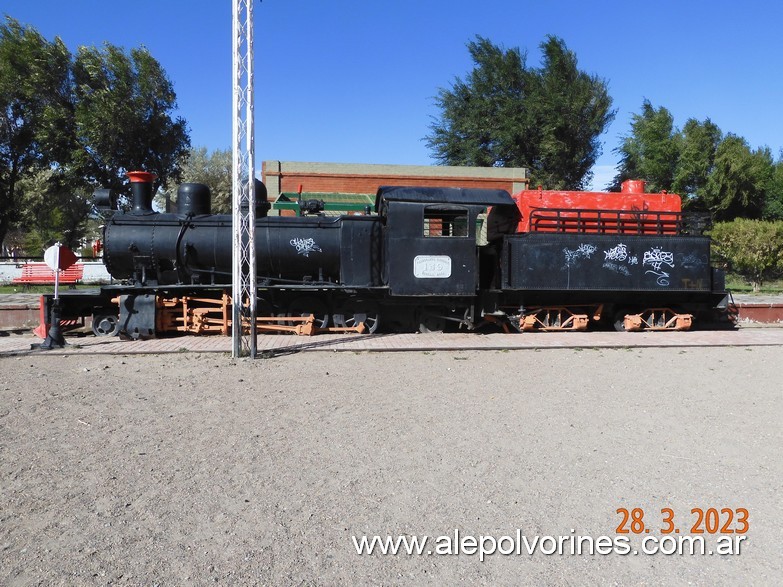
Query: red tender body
(630, 211)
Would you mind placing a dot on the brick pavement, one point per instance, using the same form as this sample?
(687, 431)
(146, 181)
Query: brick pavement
(13, 344)
(746, 335)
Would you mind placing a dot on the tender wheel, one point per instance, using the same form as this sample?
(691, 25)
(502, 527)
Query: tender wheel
(355, 313)
(105, 325)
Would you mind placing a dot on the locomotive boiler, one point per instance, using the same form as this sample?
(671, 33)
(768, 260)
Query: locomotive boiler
(194, 247)
(430, 258)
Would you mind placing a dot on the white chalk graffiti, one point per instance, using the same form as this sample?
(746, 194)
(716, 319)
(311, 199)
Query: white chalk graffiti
(656, 258)
(305, 246)
(617, 259)
(622, 269)
(618, 253)
(583, 251)
(694, 260)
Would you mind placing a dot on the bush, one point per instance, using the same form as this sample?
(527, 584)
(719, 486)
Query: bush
(33, 245)
(751, 248)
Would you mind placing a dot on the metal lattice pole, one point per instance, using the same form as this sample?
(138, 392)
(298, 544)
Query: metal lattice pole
(244, 201)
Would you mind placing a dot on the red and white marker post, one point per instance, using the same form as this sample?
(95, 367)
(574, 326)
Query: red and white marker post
(58, 258)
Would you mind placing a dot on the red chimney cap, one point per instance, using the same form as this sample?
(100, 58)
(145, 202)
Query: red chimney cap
(141, 176)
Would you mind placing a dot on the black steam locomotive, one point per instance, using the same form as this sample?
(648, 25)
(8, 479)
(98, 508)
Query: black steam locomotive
(429, 259)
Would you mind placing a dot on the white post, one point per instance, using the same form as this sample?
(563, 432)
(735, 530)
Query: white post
(244, 287)
(57, 271)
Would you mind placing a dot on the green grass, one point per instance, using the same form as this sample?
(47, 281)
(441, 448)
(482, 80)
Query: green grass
(738, 284)
(39, 289)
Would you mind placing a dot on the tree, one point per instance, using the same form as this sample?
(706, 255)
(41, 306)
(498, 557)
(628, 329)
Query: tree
(507, 114)
(34, 110)
(485, 118)
(571, 110)
(123, 120)
(88, 119)
(212, 169)
(699, 144)
(773, 203)
(739, 182)
(52, 209)
(712, 172)
(651, 151)
(752, 248)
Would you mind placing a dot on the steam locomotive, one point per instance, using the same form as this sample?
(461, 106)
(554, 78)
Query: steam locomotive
(430, 258)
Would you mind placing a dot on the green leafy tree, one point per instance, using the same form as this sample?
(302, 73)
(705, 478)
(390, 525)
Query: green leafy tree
(88, 119)
(752, 248)
(123, 117)
(773, 203)
(506, 114)
(35, 110)
(651, 151)
(571, 109)
(212, 169)
(485, 118)
(53, 209)
(720, 174)
(698, 146)
(739, 181)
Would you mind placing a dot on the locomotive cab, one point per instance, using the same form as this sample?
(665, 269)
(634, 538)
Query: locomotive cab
(429, 238)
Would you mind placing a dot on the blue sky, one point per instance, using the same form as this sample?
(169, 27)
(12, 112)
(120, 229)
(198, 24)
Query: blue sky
(353, 81)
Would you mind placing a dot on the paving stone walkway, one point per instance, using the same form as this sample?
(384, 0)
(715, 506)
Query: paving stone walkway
(750, 335)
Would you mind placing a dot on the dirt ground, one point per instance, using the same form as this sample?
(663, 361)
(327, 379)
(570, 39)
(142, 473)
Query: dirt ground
(199, 469)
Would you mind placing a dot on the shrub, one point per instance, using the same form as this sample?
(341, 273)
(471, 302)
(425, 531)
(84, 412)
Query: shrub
(751, 248)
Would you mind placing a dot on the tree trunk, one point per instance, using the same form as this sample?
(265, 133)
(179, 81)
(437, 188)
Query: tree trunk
(4, 223)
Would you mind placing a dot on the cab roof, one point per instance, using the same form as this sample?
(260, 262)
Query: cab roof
(443, 195)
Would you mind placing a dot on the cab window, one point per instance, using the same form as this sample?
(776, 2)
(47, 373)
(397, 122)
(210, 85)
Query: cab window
(445, 222)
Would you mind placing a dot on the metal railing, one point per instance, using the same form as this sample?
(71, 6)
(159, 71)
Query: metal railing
(605, 221)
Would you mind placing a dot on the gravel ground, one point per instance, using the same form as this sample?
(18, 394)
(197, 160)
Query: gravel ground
(199, 469)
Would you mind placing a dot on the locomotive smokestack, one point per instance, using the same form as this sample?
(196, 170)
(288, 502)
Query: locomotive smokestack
(632, 186)
(141, 190)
